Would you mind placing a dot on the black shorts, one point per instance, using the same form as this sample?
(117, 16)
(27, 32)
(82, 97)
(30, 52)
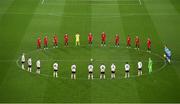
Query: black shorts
(22, 62)
(102, 72)
(38, 67)
(29, 66)
(73, 72)
(140, 69)
(112, 71)
(127, 71)
(90, 72)
(55, 70)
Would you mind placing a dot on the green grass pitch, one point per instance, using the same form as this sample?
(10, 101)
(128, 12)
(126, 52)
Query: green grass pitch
(157, 19)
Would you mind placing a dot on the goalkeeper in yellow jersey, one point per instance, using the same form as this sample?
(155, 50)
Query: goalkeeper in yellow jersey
(77, 39)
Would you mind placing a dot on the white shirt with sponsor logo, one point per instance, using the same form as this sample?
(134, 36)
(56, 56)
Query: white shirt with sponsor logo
(55, 66)
(102, 68)
(29, 61)
(73, 68)
(90, 68)
(139, 65)
(38, 63)
(127, 67)
(23, 58)
(113, 67)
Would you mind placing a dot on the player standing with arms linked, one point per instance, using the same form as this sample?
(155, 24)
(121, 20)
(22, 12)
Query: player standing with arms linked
(29, 64)
(103, 39)
(150, 65)
(38, 65)
(23, 61)
(149, 45)
(55, 41)
(77, 39)
(90, 39)
(38, 43)
(139, 68)
(137, 42)
(113, 69)
(117, 40)
(66, 40)
(55, 68)
(90, 69)
(127, 69)
(128, 42)
(45, 42)
(102, 70)
(73, 71)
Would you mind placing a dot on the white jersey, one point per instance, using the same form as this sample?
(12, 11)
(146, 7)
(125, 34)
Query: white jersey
(102, 68)
(113, 67)
(73, 68)
(139, 65)
(23, 58)
(55, 66)
(38, 63)
(29, 62)
(90, 68)
(127, 67)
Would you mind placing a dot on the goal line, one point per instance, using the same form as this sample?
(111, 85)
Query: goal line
(95, 2)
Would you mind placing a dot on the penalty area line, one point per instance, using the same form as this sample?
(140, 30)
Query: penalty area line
(42, 2)
(140, 2)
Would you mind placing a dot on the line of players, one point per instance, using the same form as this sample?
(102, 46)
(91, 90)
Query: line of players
(90, 68)
(90, 41)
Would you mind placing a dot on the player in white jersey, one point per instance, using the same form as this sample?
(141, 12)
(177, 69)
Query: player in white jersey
(38, 65)
(23, 60)
(90, 69)
(55, 67)
(29, 64)
(102, 70)
(127, 68)
(139, 68)
(113, 69)
(73, 70)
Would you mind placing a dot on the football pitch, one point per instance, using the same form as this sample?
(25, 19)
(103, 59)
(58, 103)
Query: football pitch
(23, 21)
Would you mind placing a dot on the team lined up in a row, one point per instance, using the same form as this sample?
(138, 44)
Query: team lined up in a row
(90, 68)
(90, 41)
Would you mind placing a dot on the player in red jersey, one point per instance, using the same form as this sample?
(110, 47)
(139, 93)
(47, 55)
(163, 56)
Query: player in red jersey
(117, 40)
(39, 42)
(66, 39)
(128, 41)
(103, 38)
(45, 42)
(149, 45)
(137, 42)
(90, 39)
(55, 41)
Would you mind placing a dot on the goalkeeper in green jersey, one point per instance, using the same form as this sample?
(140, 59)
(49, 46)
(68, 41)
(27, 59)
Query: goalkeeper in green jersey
(150, 65)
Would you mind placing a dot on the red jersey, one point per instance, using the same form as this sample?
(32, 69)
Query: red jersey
(39, 41)
(137, 40)
(55, 39)
(128, 40)
(103, 37)
(117, 38)
(149, 43)
(45, 40)
(66, 38)
(90, 37)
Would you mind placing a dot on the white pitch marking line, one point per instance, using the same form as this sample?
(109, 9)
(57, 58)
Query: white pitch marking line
(42, 2)
(140, 2)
